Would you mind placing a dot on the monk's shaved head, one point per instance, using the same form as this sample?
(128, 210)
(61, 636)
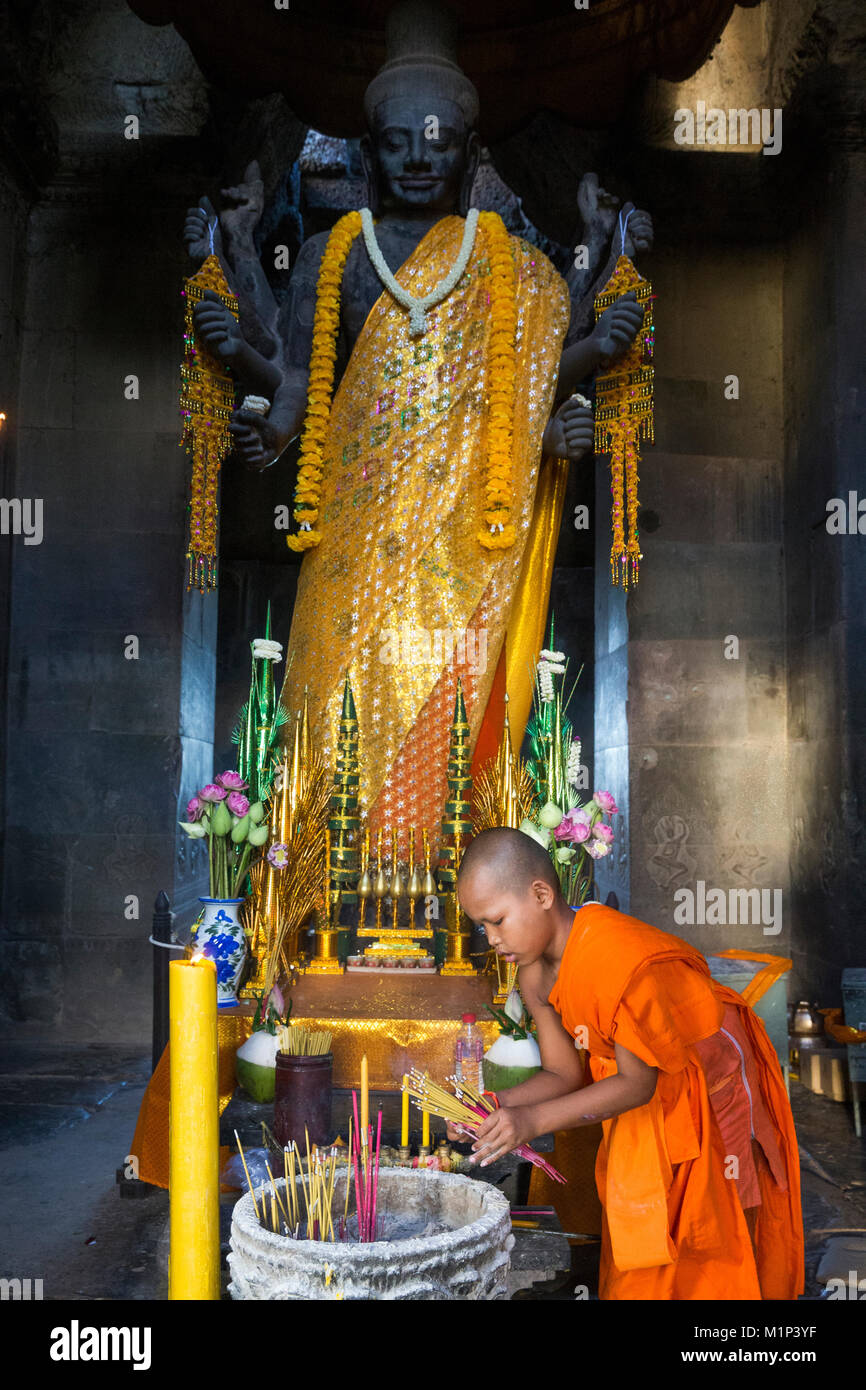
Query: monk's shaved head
(510, 857)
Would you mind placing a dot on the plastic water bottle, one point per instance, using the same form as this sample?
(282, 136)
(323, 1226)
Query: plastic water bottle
(470, 1050)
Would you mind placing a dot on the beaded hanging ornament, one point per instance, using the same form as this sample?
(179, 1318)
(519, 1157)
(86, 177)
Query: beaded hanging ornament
(206, 403)
(624, 417)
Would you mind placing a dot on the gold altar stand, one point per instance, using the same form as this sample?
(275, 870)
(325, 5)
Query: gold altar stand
(399, 1021)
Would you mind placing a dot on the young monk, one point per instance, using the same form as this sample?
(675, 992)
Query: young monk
(698, 1170)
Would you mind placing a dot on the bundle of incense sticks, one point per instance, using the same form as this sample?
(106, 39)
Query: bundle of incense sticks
(279, 1210)
(304, 1042)
(366, 1168)
(467, 1109)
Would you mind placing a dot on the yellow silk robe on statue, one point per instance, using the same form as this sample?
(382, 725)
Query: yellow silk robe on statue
(402, 500)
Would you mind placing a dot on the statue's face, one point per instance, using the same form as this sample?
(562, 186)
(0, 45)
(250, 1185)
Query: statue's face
(419, 147)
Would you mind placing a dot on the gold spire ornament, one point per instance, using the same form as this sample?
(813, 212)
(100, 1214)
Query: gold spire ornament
(206, 403)
(624, 417)
(456, 827)
(345, 821)
(504, 790)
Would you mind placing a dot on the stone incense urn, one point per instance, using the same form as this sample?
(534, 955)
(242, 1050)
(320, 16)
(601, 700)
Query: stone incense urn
(444, 1236)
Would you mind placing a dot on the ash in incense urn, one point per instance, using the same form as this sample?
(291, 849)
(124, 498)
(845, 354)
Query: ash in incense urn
(442, 1236)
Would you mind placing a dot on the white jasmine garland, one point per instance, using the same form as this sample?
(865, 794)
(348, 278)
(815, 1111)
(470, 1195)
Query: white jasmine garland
(545, 681)
(266, 650)
(418, 306)
(572, 770)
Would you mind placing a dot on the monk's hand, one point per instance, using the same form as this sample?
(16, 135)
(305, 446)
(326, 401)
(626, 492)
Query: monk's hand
(570, 433)
(501, 1132)
(617, 328)
(255, 441)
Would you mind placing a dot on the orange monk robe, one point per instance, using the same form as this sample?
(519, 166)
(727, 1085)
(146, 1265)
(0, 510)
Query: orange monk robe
(674, 1224)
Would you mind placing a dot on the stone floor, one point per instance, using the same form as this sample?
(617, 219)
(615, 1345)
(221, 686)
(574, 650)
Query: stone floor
(66, 1119)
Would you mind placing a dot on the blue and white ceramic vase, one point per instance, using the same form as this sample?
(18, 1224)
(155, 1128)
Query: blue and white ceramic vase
(220, 935)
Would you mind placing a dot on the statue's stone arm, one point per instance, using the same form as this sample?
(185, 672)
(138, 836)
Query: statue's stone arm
(600, 235)
(245, 346)
(258, 440)
(569, 432)
(243, 205)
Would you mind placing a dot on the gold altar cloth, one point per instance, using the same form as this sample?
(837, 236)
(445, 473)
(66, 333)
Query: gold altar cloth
(399, 591)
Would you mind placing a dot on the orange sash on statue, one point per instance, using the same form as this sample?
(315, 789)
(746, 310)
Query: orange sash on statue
(673, 1225)
(399, 591)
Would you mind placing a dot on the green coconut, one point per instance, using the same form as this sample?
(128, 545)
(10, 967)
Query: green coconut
(256, 1065)
(510, 1061)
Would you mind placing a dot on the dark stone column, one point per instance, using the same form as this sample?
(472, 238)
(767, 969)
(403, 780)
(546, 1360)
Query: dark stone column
(691, 743)
(825, 574)
(103, 750)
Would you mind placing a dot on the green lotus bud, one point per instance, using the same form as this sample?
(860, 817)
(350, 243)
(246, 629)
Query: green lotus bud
(258, 835)
(565, 854)
(220, 821)
(550, 815)
(194, 829)
(256, 813)
(240, 829)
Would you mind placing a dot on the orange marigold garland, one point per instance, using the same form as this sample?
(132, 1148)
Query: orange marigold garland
(623, 417)
(326, 326)
(499, 534)
(503, 318)
(206, 402)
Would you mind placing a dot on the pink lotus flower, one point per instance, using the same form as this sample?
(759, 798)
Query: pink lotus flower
(597, 849)
(232, 781)
(573, 827)
(237, 803)
(212, 793)
(194, 809)
(605, 801)
(276, 1001)
(603, 832)
(278, 855)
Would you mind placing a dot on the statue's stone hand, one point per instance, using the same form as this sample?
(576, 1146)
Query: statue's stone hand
(245, 204)
(617, 328)
(196, 235)
(570, 433)
(639, 234)
(217, 328)
(256, 442)
(598, 209)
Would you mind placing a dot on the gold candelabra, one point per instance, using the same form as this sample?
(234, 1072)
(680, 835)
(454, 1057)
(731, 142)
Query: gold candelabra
(398, 939)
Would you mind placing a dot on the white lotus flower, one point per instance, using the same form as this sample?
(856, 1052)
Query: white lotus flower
(514, 1006)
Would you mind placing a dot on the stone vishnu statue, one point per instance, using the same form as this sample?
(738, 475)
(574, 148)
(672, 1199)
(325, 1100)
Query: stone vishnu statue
(428, 525)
